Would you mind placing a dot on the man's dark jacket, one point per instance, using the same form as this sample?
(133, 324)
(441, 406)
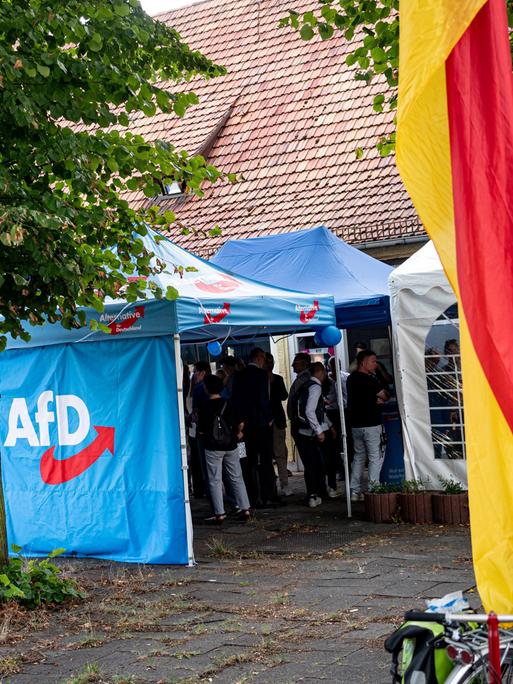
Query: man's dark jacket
(250, 397)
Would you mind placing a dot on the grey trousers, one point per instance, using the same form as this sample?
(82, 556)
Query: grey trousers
(214, 462)
(281, 455)
(367, 444)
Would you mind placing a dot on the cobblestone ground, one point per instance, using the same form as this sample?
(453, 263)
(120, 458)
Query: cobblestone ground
(298, 595)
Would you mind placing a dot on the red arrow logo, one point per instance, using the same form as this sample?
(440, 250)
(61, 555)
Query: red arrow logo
(225, 284)
(56, 471)
(116, 328)
(306, 316)
(218, 317)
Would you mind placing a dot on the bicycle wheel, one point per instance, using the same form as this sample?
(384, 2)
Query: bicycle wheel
(477, 672)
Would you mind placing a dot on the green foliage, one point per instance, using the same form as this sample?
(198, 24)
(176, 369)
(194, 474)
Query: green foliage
(450, 486)
(91, 672)
(66, 230)
(413, 486)
(373, 26)
(33, 583)
(383, 488)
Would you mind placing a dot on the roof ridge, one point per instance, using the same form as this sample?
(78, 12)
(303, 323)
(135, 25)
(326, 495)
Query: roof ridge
(192, 3)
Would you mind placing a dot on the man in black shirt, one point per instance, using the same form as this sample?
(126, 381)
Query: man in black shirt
(365, 397)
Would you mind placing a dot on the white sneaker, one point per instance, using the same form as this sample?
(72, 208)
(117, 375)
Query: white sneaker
(314, 501)
(332, 493)
(286, 491)
(355, 496)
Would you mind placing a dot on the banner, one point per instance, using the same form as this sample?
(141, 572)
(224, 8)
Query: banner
(90, 450)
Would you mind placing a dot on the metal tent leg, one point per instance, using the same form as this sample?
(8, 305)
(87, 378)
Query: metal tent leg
(183, 449)
(343, 428)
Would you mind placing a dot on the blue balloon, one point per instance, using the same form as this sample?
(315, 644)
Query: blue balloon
(214, 349)
(331, 335)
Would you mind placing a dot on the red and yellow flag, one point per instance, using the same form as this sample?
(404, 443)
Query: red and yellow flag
(455, 156)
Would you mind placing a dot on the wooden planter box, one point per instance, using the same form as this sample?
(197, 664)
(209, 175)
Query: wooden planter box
(451, 508)
(380, 508)
(416, 508)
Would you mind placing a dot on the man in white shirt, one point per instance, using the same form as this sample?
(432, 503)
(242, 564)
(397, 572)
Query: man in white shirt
(314, 436)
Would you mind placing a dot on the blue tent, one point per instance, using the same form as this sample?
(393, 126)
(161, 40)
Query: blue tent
(92, 431)
(315, 260)
(211, 304)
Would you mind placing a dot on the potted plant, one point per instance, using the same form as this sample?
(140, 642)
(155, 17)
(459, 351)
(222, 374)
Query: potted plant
(451, 504)
(415, 503)
(381, 502)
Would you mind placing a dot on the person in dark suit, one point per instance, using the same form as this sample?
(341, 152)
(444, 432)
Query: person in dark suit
(252, 406)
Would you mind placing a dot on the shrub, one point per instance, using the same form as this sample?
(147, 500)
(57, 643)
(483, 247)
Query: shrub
(383, 488)
(33, 583)
(450, 486)
(413, 486)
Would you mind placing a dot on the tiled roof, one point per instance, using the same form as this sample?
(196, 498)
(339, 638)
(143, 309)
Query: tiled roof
(297, 117)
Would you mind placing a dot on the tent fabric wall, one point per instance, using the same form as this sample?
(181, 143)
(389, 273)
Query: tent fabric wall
(315, 260)
(419, 294)
(119, 492)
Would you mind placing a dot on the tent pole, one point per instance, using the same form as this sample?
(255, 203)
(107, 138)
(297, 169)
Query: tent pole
(183, 448)
(340, 396)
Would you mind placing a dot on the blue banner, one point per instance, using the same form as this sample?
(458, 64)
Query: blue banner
(392, 470)
(90, 450)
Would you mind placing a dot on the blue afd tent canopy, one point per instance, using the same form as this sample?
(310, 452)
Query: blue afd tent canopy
(92, 430)
(315, 260)
(211, 304)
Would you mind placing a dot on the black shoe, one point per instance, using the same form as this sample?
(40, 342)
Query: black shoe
(244, 516)
(215, 519)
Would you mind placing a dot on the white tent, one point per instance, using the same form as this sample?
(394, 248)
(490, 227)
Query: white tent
(419, 294)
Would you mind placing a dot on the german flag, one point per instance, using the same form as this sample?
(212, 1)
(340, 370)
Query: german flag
(455, 156)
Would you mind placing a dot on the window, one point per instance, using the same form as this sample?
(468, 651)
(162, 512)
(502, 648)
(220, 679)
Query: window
(174, 189)
(444, 386)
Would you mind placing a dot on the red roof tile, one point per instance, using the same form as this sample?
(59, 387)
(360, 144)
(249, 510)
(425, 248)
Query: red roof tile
(298, 116)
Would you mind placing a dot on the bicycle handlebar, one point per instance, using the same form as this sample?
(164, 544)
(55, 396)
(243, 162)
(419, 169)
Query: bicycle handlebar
(422, 616)
(447, 618)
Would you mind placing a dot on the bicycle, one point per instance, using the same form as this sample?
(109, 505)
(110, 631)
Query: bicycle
(479, 650)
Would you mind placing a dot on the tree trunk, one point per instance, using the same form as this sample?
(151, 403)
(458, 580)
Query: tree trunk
(4, 552)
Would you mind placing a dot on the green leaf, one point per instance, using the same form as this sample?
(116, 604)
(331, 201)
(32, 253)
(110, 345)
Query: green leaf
(19, 279)
(122, 10)
(325, 31)
(378, 54)
(306, 32)
(56, 552)
(171, 293)
(43, 70)
(359, 152)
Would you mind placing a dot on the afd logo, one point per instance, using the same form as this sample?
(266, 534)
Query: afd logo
(58, 409)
